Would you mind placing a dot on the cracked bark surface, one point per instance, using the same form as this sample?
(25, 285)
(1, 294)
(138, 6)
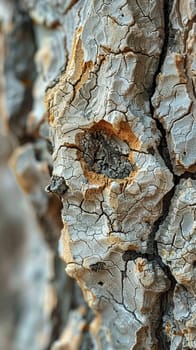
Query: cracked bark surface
(120, 101)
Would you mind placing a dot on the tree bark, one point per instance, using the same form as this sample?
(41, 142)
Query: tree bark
(120, 101)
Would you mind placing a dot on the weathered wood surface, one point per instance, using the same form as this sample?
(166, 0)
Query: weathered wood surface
(105, 148)
(120, 79)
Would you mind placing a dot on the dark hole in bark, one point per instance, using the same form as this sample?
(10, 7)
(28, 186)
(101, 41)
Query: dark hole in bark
(129, 255)
(100, 283)
(106, 154)
(151, 150)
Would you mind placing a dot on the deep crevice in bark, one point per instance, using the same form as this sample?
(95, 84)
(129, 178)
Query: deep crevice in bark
(57, 314)
(152, 248)
(165, 303)
(163, 148)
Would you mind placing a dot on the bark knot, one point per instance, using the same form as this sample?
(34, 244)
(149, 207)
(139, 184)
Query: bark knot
(105, 153)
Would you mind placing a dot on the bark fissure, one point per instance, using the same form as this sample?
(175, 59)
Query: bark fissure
(165, 298)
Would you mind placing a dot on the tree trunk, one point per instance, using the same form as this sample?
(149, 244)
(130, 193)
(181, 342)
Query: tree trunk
(120, 101)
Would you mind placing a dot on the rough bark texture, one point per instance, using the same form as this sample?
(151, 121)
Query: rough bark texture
(120, 101)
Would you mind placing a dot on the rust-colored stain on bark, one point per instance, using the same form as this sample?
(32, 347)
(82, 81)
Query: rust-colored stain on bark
(77, 73)
(141, 264)
(179, 60)
(87, 68)
(168, 328)
(77, 70)
(75, 65)
(191, 169)
(67, 255)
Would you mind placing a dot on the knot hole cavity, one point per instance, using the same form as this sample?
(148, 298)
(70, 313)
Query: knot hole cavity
(105, 153)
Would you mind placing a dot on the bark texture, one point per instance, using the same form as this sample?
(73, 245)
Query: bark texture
(120, 100)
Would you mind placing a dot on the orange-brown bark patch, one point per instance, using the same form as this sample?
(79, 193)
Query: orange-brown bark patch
(179, 60)
(67, 255)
